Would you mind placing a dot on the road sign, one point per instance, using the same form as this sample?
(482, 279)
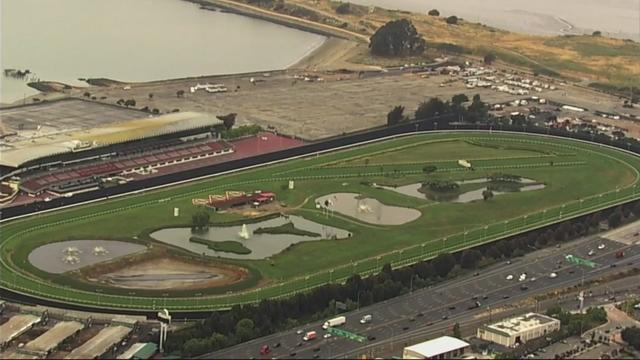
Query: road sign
(345, 334)
(580, 261)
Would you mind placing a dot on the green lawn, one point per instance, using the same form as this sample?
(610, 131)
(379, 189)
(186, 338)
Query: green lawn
(579, 178)
(222, 246)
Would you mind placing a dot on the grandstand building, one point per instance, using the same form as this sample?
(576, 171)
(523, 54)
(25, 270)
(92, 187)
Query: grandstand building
(85, 150)
(82, 160)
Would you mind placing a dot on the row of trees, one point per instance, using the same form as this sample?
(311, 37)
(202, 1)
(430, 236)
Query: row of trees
(576, 324)
(476, 111)
(632, 336)
(242, 323)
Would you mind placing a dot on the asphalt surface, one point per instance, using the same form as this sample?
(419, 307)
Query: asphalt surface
(409, 317)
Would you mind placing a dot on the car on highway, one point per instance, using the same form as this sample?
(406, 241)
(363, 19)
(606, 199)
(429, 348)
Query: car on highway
(452, 307)
(264, 350)
(553, 275)
(326, 336)
(366, 319)
(505, 296)
(591, 252)
(300, 332)
(371, 337)
(601, 246)
(445, 317)
(310, 336)
(533, 279)
(405, 328)
(524, 287)
(509, 277)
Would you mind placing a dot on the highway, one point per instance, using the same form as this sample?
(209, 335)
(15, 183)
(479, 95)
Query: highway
(408, 318)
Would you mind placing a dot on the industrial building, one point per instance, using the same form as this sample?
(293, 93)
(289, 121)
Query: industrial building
(444, 347)
(518, 330)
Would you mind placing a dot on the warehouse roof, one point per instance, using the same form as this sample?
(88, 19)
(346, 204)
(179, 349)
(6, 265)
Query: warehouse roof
(435, 347)
(101, 343)
(140, 351)
(518, 324)
(16, 326)
(54, 336)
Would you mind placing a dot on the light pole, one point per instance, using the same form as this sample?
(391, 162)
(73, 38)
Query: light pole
(306, 281)
(331, 276)
(581, 201)
(561, 210)
(423, 245)
(505, 226)
(464, 239)
(484, 237)
(444, 239)
(524, 221)
(411, 284)
(378, 258)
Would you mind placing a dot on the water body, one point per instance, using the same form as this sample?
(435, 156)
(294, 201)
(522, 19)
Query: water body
(261, 245)
(413, 190)
(141, 40)
(51, 257)
(616, 18)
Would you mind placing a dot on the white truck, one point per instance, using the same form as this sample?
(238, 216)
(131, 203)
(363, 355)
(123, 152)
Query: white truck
(340, 320)
(366, 319)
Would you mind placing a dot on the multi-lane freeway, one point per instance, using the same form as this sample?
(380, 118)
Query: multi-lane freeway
(409, 318)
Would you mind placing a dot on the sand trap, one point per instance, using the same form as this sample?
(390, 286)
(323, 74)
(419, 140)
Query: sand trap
(64, 256)
(171, 273)
(367, 209)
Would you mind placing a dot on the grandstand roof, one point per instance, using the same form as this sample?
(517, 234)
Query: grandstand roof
(17, 153)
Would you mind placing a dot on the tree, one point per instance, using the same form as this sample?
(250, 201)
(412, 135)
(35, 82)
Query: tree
(245, 330)
(459, 99)
(130, 102)
(478, 111)
(430, 108)
(428, 169)
(443, 264)
(490, 58)
(433, 12)
(180, 93)
(343, 8)
(487, 194)
(470, 258)
(395, 116)
(200, 220)
(615, 219)
(452, 20)
(86, 94)
(397, 38)
(228, 120)
(456, 331)
(632, 336)
(150, 96)
(597, 33)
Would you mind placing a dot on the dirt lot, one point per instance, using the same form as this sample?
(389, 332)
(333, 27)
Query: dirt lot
(317, 109)
(168, 273)
(312, 110)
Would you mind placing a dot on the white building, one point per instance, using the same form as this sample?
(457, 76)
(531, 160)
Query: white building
(445, 347)
(519, 329)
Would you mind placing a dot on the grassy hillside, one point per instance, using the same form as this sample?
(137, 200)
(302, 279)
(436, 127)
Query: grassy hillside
(590, 58)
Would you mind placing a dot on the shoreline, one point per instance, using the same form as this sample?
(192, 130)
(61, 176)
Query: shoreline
(318, 55)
